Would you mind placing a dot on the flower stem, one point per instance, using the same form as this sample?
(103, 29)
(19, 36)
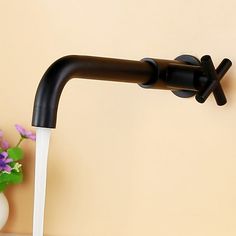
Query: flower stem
(21, 139)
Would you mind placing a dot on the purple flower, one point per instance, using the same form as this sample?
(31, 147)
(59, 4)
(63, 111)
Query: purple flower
(25, 133)
(5, 145)
(4, 160)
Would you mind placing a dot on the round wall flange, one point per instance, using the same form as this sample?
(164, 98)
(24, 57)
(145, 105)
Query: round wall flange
(190, 60)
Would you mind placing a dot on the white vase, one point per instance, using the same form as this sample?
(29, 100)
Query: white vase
(4, 210)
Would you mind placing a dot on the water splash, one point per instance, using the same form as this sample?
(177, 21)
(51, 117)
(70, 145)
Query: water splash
(42, 146)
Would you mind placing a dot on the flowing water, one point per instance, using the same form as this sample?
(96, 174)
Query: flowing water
(42, 145)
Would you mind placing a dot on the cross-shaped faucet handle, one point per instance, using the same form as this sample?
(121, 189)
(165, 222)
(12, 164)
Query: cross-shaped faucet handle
(213, 80)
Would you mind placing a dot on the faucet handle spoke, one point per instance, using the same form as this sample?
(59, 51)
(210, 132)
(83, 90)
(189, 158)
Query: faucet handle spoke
(214, 76)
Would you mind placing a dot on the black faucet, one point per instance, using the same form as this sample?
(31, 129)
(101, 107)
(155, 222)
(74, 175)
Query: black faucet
(185, 76)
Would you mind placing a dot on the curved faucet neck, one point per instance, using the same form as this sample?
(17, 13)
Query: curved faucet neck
(99, 68)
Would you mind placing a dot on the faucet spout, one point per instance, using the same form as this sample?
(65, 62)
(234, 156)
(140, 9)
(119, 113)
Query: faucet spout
(68, 67)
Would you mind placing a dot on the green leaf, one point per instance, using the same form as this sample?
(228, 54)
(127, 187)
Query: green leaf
(4, 178)
(12, 178)
(15, 153)
(3, 186)
(16, 177)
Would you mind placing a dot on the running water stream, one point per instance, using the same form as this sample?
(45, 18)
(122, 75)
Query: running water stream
(42, 146)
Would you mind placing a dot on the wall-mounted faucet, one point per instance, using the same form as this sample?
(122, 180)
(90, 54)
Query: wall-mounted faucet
(186, 76)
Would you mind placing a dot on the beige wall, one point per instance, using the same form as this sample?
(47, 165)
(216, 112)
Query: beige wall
(123, 161)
